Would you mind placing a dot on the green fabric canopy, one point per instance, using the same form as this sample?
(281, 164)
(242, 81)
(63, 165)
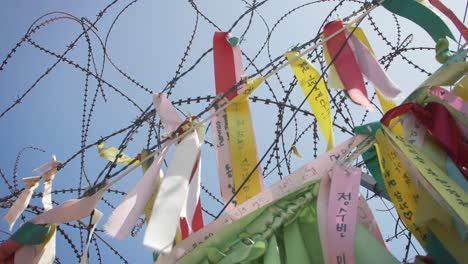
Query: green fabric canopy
(285, 231)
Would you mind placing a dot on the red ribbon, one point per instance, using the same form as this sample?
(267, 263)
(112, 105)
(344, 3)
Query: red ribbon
(228, 65)
(197, 221)
(449, 13)
(440, 125)
(7, 251)
(345, 63)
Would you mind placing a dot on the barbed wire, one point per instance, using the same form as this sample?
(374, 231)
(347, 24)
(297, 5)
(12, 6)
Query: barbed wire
(289, 128)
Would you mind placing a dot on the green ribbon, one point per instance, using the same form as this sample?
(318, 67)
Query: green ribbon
(296, 251)
(31, 234)
(272, 255)
(437, 251)
(421, 15)
(234, 41)
(443, 53)
(370, 156)
(456, 175)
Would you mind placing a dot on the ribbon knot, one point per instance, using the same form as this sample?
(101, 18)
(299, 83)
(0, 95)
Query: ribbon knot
(190, 121)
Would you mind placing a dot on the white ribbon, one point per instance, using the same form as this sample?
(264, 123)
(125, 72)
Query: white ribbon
(172, 195)
(124, 217)
(22, 201)
(94, 221)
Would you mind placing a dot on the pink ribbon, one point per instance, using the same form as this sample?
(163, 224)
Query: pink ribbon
(454, 101)
(223, 154)
(371, 68)
(342, 214)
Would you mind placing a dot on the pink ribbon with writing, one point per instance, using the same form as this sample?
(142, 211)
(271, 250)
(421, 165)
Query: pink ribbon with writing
(342, 214)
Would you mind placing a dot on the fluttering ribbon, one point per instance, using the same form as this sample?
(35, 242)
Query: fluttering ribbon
(314, 86)
(178, 194)
(191, 219)
(386, 103)
(22, 201)
(449, 13)
(421, 14)
(95, 218)
(42, 252)
(237, 123)
(334, 81)
(172, 195)
(346, 64)
(191, 215)
(47, 172)
(145, 165)
(142, 197)
(111, 153)
(384, 87)
(441, 126)
(371, 68)
(45, 252)
(125, 215)
(36, 252)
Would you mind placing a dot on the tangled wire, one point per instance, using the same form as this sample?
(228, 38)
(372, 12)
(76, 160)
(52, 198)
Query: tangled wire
(107, 54)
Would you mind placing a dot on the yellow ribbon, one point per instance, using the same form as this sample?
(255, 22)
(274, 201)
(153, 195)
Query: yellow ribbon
(110, 153)
(318, 100)
(250, 87)
(400, 186)
(442, 187)
(461, 89)
(243, 150)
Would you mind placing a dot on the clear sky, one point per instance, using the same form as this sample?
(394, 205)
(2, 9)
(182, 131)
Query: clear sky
(147, 43)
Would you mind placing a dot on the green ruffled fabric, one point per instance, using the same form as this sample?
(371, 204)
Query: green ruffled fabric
(285, 231)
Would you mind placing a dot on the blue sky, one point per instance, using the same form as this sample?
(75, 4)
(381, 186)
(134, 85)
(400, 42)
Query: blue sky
(147, 43)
